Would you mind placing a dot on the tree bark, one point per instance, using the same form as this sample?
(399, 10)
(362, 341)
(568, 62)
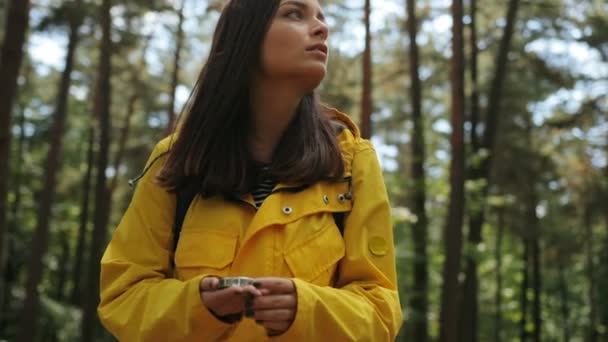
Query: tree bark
(11, 56)
(537, 289)
(102, 113)
(474, 71)
(18, 174)
(366, 95)
(603, 295)
(419, 299)
(126, 127)
(453, 229)
(76, 296)
(63, 271)
(592, 334)
(603, 280)
(533, 236)
(9, 274)
(179, 43)
(498, 254)
(523, 331)
(564, 301)
(27, 330)
(495, 98)
(603, 283)
(470, 308)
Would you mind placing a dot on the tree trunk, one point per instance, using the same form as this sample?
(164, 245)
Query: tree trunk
(603, 280)
(102, 113)
(495, 97)
(537, 288)
(11, 55)
(533, 234)
(470, 308)
(603, 283)
(366, 95)
(498, 251)
(124, 134)
(603, 295)
(62, 273)
(179, 43)
(474, 70)
(9, 274)
(565, 308)
(592, 334)
(453, 228)
(524, 291)
(76, 297)
(419, 299)
(18, 174)
(27, 330)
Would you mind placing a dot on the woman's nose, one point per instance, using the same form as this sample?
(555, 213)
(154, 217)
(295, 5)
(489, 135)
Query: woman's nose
(321, 30)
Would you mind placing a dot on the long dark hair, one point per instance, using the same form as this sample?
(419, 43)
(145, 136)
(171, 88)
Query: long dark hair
(210, 148)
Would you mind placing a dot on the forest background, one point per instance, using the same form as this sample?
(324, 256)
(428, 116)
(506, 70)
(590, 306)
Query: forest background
(489, 118)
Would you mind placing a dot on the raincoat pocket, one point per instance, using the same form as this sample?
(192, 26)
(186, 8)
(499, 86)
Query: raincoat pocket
(315, 260)
(202, 251)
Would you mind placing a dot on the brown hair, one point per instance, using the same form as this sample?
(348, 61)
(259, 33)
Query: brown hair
(210, 150)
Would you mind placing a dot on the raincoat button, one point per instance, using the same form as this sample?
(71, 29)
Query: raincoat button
(325, 199)
(341, 198)
(378, 246)
(287, 210)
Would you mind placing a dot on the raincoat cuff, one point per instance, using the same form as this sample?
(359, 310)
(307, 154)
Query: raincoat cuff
(302, 323)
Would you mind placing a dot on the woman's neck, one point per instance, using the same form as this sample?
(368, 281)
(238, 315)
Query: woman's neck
(273, 107)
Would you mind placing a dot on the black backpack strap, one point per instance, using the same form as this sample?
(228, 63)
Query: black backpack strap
(339, 219)
(184, 199)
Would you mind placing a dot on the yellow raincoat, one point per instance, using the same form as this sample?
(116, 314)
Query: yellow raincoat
(293, 235)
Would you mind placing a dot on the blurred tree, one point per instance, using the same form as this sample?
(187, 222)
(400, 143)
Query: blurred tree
(136, 90)
(367, 106)
(102, 114)
(77, 294)
(11, 56)
(179, 43)
(9, 275)
(587, 224)
(603, 279)
(480, 173)
(453, 227)
(47, 196)
(419, 296)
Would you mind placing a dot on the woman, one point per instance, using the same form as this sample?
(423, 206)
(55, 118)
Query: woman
(274, 173)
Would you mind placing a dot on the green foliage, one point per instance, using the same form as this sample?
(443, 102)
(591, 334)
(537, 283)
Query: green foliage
(551, 142)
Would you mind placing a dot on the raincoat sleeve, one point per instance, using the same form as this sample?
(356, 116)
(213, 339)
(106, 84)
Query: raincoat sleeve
(138, 302)
(364, 306)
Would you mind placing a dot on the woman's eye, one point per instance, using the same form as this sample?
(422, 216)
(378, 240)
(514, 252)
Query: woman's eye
(294, 14)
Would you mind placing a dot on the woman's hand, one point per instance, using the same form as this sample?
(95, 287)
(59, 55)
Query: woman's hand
(276, 308)
(226, 304)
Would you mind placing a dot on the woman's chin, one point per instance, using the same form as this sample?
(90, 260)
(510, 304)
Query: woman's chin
(312, 76)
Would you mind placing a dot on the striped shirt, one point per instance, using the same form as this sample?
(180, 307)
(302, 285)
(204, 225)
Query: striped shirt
(264, 186)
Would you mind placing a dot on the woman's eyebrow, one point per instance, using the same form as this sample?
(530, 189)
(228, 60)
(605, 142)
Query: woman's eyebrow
(303, 6)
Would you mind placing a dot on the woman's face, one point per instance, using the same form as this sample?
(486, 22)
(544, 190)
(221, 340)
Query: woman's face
(295, 46)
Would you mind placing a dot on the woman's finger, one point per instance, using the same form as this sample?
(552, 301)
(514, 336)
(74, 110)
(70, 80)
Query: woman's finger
(209, 284)
(276, 315)
(275, 328)
(275, 285)
(251, 290)
(274, 302)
